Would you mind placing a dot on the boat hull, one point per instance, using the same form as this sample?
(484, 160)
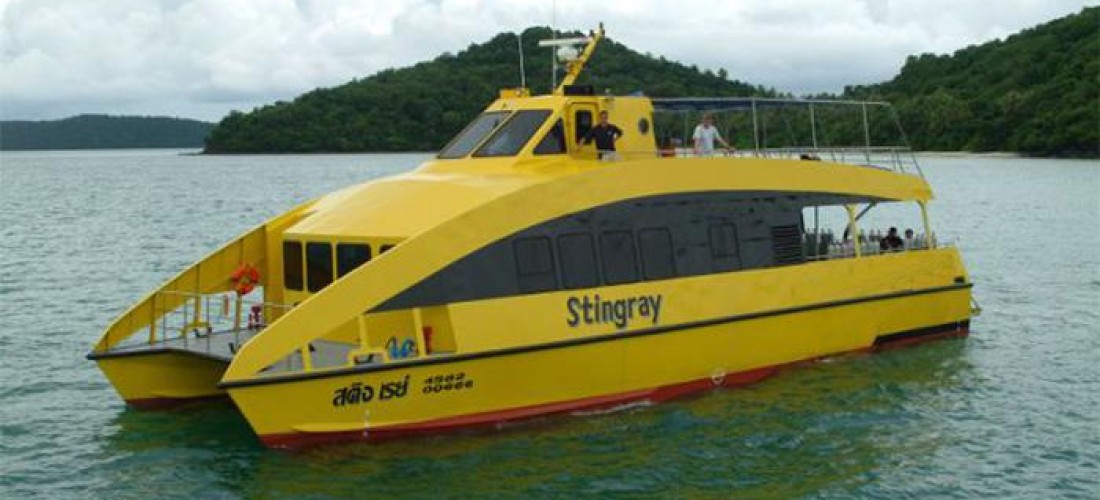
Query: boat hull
(159, 379)
(484, 389)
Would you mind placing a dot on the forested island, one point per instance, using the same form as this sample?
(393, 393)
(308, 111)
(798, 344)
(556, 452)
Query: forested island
(419, 108)
(1034, 93)
(104, 132)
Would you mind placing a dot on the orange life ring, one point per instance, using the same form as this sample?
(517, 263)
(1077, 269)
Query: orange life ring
(245, 278)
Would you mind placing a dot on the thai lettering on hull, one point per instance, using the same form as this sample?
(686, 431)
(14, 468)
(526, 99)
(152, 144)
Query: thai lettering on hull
(360, 393)
(594, 310)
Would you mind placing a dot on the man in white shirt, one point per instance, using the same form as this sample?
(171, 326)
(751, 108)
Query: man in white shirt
(705, 135)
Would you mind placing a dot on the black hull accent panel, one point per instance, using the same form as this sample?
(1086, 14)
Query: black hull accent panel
(709, 233)
(914, 335)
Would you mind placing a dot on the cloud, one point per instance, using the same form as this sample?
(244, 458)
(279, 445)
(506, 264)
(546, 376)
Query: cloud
(203, 58)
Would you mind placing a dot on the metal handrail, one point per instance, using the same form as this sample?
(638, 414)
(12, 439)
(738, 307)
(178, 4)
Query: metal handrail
(893, 158)
(754, 106)
(195, 315)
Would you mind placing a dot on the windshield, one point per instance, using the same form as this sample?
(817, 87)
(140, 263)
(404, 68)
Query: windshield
(511, 137)
(473, 134)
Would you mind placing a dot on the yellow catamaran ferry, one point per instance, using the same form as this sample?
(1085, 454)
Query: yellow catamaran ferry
(519, 274)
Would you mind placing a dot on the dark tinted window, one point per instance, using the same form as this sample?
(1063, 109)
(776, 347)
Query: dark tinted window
(656, 248)
(511, 136)
(618, 258)
(292, 265)
(473, 134)
(554, 141)
(577, 255)
(535, 265)
(318, 265)
(350, 256)
(384, 248)
(723, 240)
(583, 120)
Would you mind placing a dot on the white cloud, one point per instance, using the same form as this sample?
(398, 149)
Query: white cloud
(202, 58)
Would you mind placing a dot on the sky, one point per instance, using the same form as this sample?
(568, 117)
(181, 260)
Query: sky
(203, 58)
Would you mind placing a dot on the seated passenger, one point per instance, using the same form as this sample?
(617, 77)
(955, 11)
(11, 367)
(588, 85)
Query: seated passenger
(910, 243)
(668, 150)
(891, 242)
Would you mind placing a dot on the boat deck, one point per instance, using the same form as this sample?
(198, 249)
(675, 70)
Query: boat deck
(223, 345)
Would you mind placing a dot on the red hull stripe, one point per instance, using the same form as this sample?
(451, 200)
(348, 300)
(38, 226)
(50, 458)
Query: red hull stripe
(295, 440)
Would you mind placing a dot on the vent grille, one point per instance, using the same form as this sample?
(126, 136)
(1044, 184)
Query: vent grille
(787, 245)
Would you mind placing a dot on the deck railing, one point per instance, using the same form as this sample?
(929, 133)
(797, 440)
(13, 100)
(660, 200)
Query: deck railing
(866, 133)
(193, 320)
(895, 159)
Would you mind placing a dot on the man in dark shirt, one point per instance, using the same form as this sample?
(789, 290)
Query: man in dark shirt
(892, 242)
(605, 135)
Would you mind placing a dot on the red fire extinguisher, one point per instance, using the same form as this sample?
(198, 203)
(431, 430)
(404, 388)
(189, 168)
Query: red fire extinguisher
(428, 339)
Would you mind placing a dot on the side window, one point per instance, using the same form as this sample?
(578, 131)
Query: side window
(583, 121)
(384, 248)
(554, 141)
(292, 265)
(534, 265)
(577, 255)
(723, 240)
(350, 256)
(319, 265)
(656, 247)
(724, 247)
(620, 265)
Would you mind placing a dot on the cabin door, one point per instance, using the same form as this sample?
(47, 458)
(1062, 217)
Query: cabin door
(581, 119)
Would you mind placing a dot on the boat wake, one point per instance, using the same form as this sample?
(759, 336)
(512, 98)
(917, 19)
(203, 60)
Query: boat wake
(645, 403)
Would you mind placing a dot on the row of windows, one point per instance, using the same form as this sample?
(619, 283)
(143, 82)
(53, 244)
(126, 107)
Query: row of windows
(315, 271)
(615, 257)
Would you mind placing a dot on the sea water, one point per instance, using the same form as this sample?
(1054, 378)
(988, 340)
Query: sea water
(1012, 411)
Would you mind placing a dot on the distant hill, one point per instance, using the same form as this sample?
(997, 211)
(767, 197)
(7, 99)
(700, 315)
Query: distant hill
(419, 108)
(1036, 92)
(103, 132)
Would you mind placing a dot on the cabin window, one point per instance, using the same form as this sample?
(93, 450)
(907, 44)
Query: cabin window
(656, 248)
(510, 137)
(554, 141)
(350, 256)
(620, 264)
(473, 134)
(583, 121)
(724, 249)
(319, 266)
(723, 240)
(577, 255)
(535, 265)
(292, 265)
(384, 248)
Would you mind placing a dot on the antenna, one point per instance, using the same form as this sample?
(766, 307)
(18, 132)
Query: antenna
(553, 36)
(522, 72)
(568, 52)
